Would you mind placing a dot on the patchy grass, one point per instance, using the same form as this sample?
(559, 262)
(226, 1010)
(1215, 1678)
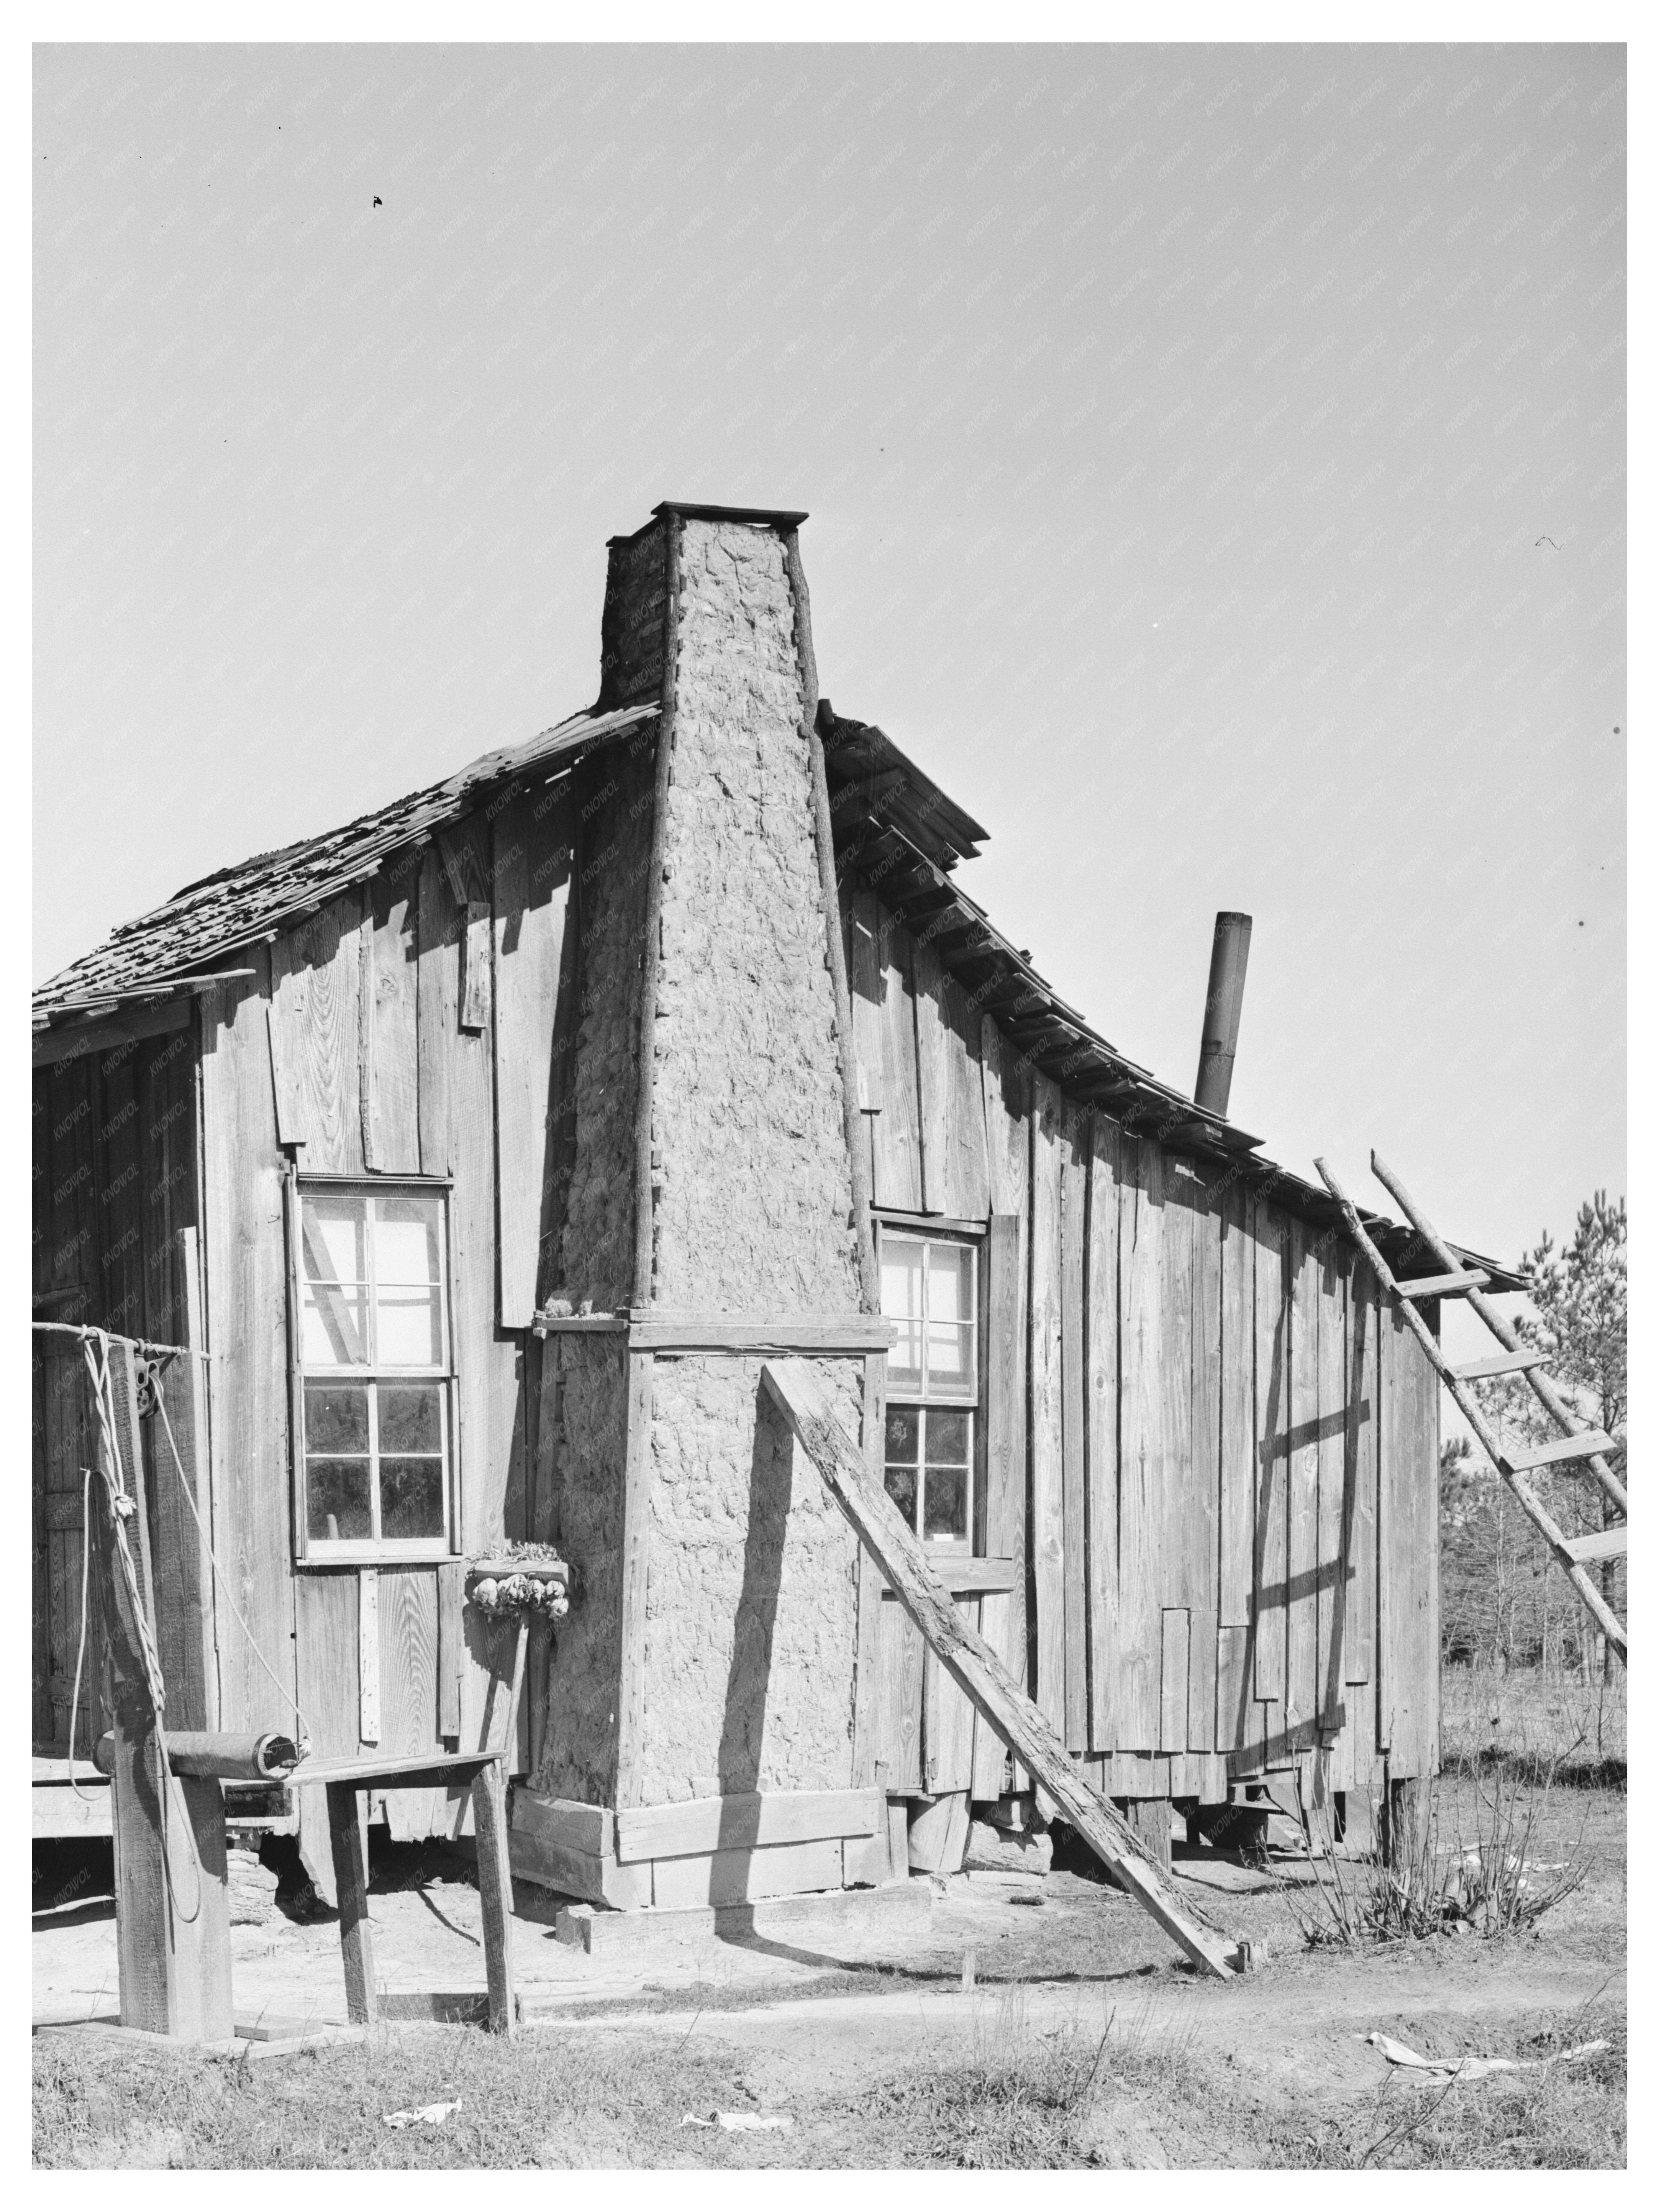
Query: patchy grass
(1020, 2099)
(1560, 2114)
(523, 2104)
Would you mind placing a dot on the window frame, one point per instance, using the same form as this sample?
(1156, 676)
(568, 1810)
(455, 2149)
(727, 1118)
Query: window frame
(973, 1237)
(383, 1551)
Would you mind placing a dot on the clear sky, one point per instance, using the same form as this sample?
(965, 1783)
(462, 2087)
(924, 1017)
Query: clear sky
(1215, 460)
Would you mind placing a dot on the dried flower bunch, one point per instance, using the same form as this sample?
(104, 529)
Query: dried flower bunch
(525, 1579)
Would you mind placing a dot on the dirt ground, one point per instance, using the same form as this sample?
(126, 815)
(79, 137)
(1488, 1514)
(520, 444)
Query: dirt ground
(1084, 2038)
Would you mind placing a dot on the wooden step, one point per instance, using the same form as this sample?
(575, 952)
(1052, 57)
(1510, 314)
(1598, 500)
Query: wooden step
(1600, 1544)
(1444, 1287)
(1578, 1447)
(1500, 1363)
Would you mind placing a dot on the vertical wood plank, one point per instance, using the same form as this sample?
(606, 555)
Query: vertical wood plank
(437, 1000)
(1048, 1496)
(1333, 1481)
(933, 1081)
(1272, 1421)
(317, 1009)
(465, 855)
(209, 1937)
(117, 1171)
(488, 1361)
(368, 1654)
(1182, 1479)
(1236, 1535)
(1101, 1384)
(864, 973)
(286, 1093)
(1301, 1692)
(932, 1732)
(143, 1920)
(896, 1134)
(496, 1895)
(532, 884)
(1201, 1732)
(637, 1520)
(955, 1173)
(41, 1727)
(327, 1643)
(345, 1838)
(1390, 1330)
(1006, 1089)
(408, 1660)
(409, 1685)
(174, 1961)
(954, 1720)
(866, 1683)
(365, 1033)
(1074, 1148)
(1005, 1456)
(1142, 1463)
(452, 1647)
(1365, 1414)
(1236, 1709)
(1410, 1522)
(1365, 1426)
(245, 1292)
(184, 1570)
(545, 1416)
(970, 1183)
(392, 1015)
(900, 1726)
(1203, 1498)
(1175, 1640)
(476, 962)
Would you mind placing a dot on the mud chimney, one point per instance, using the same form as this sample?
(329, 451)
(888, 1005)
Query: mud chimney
(1229, 957)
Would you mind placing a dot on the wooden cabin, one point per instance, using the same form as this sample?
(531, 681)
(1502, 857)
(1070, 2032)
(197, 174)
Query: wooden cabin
(484, 1147)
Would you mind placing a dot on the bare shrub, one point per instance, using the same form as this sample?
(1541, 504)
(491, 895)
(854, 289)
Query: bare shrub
(1487, 1883)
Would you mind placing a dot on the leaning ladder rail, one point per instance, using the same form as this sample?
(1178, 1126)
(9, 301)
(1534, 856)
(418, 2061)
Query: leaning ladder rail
(1504, 1330)
(1511, 1467)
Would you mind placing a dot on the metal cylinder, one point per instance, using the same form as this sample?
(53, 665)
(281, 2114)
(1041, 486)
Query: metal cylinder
(1218, 1041)
(264, 1758)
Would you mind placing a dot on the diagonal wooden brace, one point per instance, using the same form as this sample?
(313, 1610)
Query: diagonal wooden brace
(975, 1667)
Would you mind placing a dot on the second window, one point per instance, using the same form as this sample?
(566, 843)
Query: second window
(929, 1289)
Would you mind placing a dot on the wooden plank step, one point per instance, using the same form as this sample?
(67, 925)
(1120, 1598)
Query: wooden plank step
(975, 1668)
(1578, 1447)
(1445, 1287)
(968, 1577)
(1600, 1544)
(1499, 1362)
(416, 1769)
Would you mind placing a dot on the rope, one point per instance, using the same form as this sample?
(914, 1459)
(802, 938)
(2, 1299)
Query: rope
(122, 1509)
(81, 1640)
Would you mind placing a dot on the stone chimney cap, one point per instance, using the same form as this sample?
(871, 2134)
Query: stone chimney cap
(781, 518)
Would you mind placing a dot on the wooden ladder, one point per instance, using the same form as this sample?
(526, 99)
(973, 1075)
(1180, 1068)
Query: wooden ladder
(1573, 1554)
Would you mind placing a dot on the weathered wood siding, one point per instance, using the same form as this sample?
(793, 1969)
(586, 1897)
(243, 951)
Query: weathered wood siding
(423, 1023)
(1210, 1456)
(114, 1217)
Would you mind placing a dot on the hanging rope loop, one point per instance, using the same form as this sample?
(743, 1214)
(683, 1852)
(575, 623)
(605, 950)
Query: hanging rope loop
(123, 1510)
(123, 1507)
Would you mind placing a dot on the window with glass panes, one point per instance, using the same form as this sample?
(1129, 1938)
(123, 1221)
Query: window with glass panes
(375, 1374)
(929, 1287)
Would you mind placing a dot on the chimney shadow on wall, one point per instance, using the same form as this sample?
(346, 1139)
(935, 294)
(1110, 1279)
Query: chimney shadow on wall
(749, 1674)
